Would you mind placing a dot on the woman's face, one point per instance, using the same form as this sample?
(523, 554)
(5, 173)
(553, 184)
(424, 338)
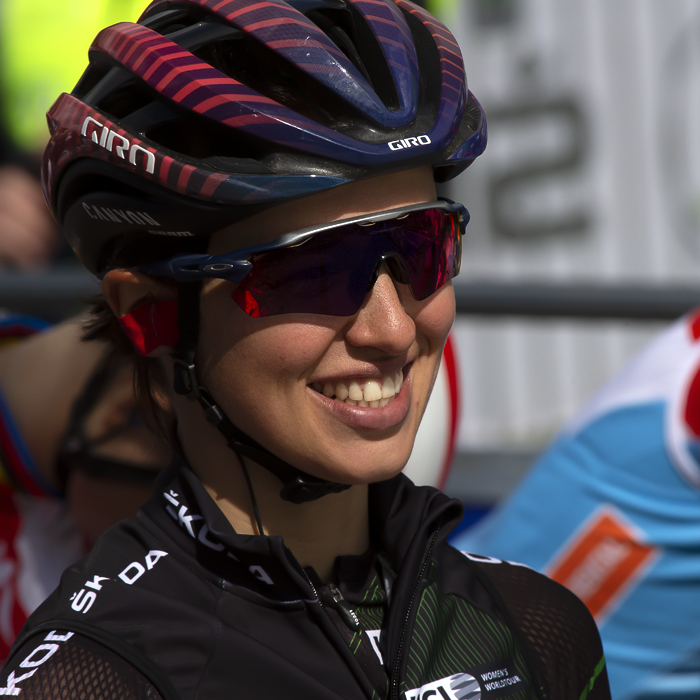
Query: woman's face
(270, 374)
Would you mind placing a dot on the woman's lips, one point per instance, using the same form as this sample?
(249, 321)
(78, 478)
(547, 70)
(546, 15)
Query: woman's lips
(370, 417)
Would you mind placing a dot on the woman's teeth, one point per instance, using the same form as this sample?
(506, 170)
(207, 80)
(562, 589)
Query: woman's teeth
(370, 392)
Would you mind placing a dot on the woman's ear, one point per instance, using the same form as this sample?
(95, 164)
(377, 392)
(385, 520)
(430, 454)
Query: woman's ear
(146, 310)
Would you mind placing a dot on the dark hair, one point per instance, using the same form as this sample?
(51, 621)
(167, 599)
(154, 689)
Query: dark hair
(150, 381)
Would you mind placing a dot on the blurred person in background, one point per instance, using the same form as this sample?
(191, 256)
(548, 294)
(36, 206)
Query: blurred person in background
(75, 456)
(612, 511)
(28, 234)
(37, 63)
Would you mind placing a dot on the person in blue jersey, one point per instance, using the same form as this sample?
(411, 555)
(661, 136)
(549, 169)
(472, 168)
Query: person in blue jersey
(254, 183)
(612, 510)
(73, 458)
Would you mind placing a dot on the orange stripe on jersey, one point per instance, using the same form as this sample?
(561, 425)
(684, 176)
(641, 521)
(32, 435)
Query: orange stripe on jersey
(602, 560)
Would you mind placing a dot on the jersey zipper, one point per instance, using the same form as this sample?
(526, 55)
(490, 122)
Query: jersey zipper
(322, 607)
(344, 608)
(407, 617)
(290, 554)
(341, 605)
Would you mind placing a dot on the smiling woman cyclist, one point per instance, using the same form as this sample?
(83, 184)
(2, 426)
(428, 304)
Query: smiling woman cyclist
(254, 183)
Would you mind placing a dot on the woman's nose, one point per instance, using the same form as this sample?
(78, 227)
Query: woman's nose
(383, 321)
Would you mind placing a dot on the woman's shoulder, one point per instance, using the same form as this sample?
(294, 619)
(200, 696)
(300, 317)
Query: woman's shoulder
(521, 586)
(78, 636)
(70, 665)
(556, 629)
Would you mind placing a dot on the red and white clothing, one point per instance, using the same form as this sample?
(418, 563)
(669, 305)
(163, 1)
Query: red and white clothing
(38, 538)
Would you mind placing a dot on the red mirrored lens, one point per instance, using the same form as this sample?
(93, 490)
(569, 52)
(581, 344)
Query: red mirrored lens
(430, 247)
(330, 273)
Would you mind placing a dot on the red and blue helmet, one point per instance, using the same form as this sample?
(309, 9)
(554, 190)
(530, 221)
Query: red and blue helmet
(207, 111)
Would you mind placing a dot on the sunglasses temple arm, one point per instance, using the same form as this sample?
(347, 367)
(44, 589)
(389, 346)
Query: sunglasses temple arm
(188, 268)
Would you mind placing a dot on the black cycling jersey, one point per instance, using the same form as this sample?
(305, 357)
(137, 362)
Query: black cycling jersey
(173, 604)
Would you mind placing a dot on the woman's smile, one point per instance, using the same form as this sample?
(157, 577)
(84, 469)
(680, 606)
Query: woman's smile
(375, 392)
(376, 414)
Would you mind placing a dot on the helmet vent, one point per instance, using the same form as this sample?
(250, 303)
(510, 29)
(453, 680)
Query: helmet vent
(92, 76)
(125, 100)
(429, 60)
(202, 138)
(168, 22)
(349, 31)
(252, 63)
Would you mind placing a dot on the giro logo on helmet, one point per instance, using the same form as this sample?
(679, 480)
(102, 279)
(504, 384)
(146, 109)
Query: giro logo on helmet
(115, 143)
(411, 142)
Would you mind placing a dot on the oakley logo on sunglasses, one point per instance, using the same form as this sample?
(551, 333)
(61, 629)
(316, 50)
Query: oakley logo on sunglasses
(410, 142)
(113, 142)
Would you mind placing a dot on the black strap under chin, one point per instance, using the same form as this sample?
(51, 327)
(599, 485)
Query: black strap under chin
(298, 487)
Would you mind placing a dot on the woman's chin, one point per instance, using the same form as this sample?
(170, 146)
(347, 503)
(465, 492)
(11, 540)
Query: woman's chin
(361, 469)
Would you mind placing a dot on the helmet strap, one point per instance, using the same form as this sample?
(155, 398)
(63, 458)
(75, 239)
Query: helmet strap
(298, 487)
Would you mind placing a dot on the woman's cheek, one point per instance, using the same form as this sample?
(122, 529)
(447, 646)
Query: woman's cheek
(435, 318)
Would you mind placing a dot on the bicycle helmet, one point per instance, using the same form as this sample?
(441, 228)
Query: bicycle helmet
(207, 111)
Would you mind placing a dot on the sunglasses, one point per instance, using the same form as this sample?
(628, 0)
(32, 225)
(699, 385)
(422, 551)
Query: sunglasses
(329, 269)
